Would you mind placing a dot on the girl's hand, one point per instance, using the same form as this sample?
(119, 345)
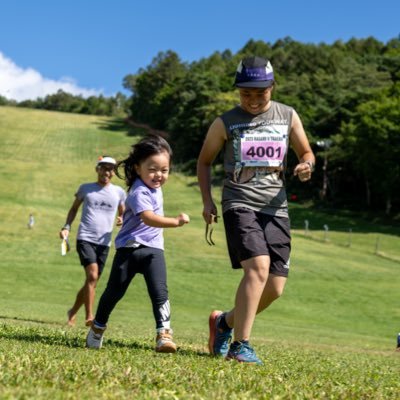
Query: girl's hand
(183, 219)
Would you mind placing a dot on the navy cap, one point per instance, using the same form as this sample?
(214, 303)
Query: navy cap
(254, 72)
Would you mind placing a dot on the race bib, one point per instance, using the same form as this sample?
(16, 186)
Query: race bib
(262, 149)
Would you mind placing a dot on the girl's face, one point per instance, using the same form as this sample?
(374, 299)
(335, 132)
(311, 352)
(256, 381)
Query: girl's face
(154, 170)
(255, 101)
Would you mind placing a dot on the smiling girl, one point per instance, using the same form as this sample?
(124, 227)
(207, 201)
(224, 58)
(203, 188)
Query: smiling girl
(140, 242)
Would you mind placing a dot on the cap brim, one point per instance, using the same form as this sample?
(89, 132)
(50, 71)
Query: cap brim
(255, 84)
(107, 160)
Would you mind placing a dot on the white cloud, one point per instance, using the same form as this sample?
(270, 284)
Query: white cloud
(20, 84)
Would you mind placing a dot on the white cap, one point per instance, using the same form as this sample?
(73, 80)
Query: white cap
(106, 160)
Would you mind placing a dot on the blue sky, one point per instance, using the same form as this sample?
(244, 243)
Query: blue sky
(88, 46)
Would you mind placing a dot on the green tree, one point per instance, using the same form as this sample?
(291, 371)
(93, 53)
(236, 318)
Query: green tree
(371, 140)
(153, 88)
(3, 101)
(331, 86)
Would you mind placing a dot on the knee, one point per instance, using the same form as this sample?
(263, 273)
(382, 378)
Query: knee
(276, 292)
(259, 273)
(257, 269)
(276, 287)
(92, 279)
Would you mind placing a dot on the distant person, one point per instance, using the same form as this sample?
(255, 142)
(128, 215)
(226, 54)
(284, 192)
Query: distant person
(255, 138)
(398, 342)
(31, 221)
(101, 202)
(140, 242)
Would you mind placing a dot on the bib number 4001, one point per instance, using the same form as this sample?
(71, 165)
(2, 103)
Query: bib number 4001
(260, 152)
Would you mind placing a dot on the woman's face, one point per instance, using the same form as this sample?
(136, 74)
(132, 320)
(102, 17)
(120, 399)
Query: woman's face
(105, 172)
(255, 101)
(154, 170)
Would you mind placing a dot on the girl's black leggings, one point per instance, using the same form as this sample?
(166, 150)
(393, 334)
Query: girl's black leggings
(126, 264)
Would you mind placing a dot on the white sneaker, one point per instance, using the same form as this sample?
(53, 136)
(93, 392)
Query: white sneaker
(94, 338)
(164, 342)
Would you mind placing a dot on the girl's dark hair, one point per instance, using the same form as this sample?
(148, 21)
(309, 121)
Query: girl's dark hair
(146, 147)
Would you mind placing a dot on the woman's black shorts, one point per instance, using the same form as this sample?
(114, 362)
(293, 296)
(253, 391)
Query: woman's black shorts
(91, 253)
(250, 233)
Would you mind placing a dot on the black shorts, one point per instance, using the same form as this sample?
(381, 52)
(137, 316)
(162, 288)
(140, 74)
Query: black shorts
(91, 253)
(250, 233)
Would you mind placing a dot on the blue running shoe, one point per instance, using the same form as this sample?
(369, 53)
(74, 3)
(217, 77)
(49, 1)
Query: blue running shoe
(243, 353)
(219, 339)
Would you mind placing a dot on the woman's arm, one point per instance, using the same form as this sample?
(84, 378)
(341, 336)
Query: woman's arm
(302, 148)
(213, 143)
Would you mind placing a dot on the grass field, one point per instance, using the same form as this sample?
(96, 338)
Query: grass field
(331, 336)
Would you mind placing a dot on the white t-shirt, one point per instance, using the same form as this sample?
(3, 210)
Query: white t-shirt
(100, 205)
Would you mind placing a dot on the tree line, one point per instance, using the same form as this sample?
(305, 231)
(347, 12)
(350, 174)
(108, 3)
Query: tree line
(347, 94)
(66, 102)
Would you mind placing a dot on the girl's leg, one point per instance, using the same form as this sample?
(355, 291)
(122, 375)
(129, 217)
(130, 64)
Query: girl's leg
(120, 277)
(155, 275)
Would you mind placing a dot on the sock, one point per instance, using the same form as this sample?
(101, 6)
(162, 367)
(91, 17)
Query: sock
(238, 343)
(164, 328)
(98, 324)
(222, 323)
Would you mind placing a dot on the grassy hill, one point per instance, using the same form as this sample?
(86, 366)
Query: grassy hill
(331, 335)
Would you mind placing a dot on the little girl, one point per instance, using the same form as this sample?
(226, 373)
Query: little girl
(140, 242)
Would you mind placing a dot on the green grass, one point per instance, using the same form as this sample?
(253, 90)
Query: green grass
(129, 368)
(331, 335)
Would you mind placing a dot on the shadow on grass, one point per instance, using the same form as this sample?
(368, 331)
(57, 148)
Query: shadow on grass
(196, 353)
(143, 346)
(36, 321)
(120, 125)
(65, 338)
(33, 335)
(129, 127)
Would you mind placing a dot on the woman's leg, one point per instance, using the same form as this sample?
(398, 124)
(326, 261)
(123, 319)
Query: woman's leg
(272, 291)
(85, 294)
(248, 296)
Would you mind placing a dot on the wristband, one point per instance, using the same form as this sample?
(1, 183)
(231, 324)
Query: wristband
(66, 227)
(311, 164)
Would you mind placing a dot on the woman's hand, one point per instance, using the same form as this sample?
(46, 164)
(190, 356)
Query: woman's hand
(304, 171)
(210, 213)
